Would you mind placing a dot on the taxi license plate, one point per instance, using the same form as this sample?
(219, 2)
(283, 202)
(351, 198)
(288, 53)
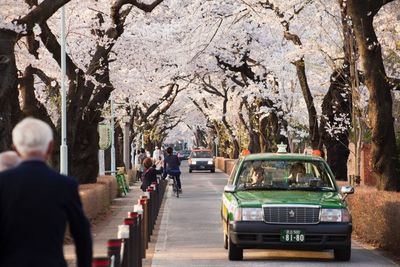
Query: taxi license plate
(293, 236)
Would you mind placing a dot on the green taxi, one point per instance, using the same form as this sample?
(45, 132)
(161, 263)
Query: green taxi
(285, 201)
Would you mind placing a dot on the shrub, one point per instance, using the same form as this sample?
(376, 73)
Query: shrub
(376, 217)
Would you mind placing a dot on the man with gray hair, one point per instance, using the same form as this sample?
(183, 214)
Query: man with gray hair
(8, 159)
(36, 203)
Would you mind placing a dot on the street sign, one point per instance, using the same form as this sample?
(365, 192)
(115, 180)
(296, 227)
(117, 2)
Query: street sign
(104, 136)
(216, 140)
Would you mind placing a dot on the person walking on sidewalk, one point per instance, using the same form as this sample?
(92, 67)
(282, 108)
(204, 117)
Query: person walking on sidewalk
(141, 158)
(36, 203)
(149, 174)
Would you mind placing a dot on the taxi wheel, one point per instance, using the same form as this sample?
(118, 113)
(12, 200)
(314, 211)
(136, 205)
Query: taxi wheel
(342, 254)
(234, 253)
(190, 171)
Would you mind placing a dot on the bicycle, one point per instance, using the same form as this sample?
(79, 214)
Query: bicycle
(174, 184)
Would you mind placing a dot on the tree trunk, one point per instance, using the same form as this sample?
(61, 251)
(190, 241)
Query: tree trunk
(254, 144)
(234, 143)
(336, 101)
(383, 158)
(83, 153)
(9, 105)
(312, 113)
(264, 141)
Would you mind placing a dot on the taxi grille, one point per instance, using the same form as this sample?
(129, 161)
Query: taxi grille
(291, 214)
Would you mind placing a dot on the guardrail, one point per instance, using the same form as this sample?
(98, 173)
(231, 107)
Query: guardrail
(134, 235)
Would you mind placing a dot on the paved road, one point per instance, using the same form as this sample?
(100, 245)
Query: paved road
(190, 233)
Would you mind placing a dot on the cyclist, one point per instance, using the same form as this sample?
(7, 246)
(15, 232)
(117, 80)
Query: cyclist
(171, 167)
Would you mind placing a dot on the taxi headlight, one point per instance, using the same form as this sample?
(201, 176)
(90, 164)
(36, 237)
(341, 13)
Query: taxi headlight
(237, 214)
(193, 162)
(335, 215)
(210, 162)
(252, 214)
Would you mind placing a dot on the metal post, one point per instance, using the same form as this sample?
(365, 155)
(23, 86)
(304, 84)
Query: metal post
(137, 237)
(133, 154)
(113, 167)
(126, 146)
(63, 147)
(143, 201)
(114, 251)
(101, 162)
(139, 210)
(132, 250)
(100, 262)
(143, 140)
(123, 234)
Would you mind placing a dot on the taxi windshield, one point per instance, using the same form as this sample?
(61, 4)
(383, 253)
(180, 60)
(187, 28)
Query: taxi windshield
(201, 154)
(285, 175)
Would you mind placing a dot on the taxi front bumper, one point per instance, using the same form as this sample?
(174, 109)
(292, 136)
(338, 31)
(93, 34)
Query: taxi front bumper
(248, 234)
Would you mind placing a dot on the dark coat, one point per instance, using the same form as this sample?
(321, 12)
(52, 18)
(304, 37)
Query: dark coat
(171, 162)
(35, 205)
(149, 177)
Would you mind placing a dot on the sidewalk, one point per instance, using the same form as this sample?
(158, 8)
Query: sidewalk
(107, 227)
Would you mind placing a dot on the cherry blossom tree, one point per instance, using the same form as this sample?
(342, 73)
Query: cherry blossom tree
(89, 85)
(362, 15)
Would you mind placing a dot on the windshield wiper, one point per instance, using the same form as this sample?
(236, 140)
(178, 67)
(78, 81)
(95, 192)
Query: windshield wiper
(266, 188)
(317, 189)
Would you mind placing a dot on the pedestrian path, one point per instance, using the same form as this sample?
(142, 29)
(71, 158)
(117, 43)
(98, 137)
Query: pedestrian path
(107, 227)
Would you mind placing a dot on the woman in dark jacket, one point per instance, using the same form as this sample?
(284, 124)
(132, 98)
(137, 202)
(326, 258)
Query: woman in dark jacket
(149, 175)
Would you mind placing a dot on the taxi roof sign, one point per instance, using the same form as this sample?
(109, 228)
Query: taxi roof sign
(282, 148)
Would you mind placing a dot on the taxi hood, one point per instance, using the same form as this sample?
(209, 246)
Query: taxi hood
(292, 197)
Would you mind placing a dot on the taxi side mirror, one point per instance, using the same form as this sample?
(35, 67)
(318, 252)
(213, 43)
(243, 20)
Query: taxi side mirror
(346, 190)
(229, 188)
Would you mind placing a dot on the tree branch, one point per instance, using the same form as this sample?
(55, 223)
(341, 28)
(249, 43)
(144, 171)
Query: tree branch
(30, 106)
(50, 42)
(115, 9)
(209, 88)
(41, 13)
(395, 82)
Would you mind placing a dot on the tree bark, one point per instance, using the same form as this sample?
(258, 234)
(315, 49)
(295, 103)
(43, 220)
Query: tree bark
(9, 104)
(254, 144)
(235, 144)
(383, 158)
(335, 102)
(312, 112)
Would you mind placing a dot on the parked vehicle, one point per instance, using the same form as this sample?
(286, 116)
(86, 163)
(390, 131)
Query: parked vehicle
(201, 159)
(285, 201)
(183, 154)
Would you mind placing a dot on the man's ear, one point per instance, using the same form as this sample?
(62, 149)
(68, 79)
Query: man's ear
(49, 150)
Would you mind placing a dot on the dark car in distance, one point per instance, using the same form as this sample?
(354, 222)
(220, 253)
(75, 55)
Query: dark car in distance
(183, 154)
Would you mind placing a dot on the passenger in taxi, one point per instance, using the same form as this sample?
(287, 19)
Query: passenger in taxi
(257, 176)
(297, 172)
